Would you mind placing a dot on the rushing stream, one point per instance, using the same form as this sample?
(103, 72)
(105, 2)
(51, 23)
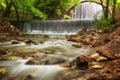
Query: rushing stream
(60, 50)
(40, 72)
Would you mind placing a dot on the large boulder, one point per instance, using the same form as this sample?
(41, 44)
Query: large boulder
(111, 49)
(81, 62)
(115, 34)
(32, 42)
(101, 40)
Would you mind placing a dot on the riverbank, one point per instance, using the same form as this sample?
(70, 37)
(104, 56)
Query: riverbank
(104, 63)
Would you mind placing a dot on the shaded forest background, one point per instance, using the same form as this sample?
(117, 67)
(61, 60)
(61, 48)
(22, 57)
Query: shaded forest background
(36, 9)
(22, 10)
(49, 9)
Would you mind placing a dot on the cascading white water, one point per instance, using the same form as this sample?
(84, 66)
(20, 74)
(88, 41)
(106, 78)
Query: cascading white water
(55, 26)
(87, 10)
(83, 19)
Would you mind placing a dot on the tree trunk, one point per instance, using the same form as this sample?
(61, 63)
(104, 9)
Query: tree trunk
(17, 15)
(107, 9)
(104, 8)
(114, 11)
(6, 12)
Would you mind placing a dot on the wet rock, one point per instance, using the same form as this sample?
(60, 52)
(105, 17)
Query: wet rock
(81, 62)
(8, 57)
(4, 58)
(67, 36)
(30, 55)
(13, 57)
(85, 37)
(78, 45)
(54, 61)
(94, 65)
(92, 32)
(46, 36)
(116, 34)
(33, 62)
(92, 76)
(49, 50)
(82, 32)
(70, 37)
(64, 64)
(20, 39)
(95, 55)
(98, 57)
(110, 71)
(3, 71)
(32, 42)
(71, 74)
(3, 52)
(101, 58)
(15, 42)
(8, 77)
(3, 37)
(87, 40)
(111, 49)
(77, 39)
(97, 66)
(29, 77)
(102, 40)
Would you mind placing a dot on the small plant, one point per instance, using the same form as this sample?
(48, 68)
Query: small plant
(104, 24)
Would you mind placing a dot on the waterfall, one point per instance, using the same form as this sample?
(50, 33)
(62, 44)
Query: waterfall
(55, 26)
(83, 19)
(87, 10)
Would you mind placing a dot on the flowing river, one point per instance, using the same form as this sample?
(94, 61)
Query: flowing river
(53, 51)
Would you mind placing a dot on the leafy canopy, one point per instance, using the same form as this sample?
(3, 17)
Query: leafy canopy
(40, 9)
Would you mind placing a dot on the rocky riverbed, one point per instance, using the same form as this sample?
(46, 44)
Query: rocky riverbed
(45, 53)
(37, 57)
(87, 55)
(104, 63)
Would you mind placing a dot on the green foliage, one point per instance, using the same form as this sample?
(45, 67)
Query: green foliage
(2, 3)
(118, 4)
(66, 16)
(55, 8)
(108, 21)
(39, 9)
(28, 6)
(104, 24)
